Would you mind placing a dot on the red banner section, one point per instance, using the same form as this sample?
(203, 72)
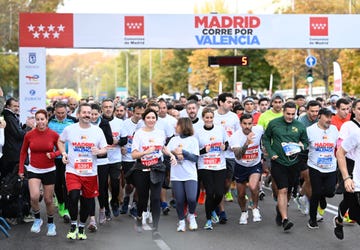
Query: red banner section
(51, 30)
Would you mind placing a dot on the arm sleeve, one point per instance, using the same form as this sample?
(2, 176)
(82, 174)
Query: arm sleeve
(108, 133)
(123, 141)
(190, 156)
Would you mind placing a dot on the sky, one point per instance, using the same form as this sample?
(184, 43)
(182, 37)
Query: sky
(156, 7)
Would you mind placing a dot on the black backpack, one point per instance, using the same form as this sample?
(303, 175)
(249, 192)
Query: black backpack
(10, 187)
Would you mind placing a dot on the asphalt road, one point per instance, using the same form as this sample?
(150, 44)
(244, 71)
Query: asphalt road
(120, 234)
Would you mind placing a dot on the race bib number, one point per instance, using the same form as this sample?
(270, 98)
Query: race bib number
(211, 161)
(251, 154)
(324, 161)
(149, 160)
(291, 148)
(83, 165)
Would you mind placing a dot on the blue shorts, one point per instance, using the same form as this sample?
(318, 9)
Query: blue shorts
(242, 174)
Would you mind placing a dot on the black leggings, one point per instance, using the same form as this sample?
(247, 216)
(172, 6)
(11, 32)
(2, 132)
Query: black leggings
(60, 184)
(143, 185)
(85, 206)
(323, 185)
(104, 171)
(214, 183)
(347, 197)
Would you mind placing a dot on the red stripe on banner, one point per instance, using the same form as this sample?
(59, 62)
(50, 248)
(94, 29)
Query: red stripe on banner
(49, 30)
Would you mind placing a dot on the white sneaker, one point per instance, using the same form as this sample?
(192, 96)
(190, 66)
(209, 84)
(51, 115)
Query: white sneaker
(192, 222)
(243, 218)
(150, 219)
(181, 226)
(306, 204)
(145, 215)
(256, 215)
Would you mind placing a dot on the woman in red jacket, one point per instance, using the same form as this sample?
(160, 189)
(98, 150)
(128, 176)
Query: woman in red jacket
(39, 143)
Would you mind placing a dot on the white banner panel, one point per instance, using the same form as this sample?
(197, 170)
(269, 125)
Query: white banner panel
(32, 81)
(215, 31)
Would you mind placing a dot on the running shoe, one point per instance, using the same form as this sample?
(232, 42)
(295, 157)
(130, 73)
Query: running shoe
(321, 211)
(312, 224)
(138, 224)
(229, 197)
(347, 218)
(208, 225)
(172, 203)
(192, 222)
(165, 210)
(72, 233)
(319, 218)
(92, 227)
(81, 234)
(243, 218)
(287, 224)
(156, 235)
(222, 217)
(214, 217)
(133, 212)
(256, 215)
(201, 199)
(102, 217)
(115, 210)
(66, 216)
(51, 229)
(28, 218)
(125, 205)
(36, 227)
(181, 226)
(107, 215)
(338, 229)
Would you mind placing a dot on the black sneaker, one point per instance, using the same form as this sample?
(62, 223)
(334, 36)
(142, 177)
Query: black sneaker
(338, 229)
(115, 210)
(108, 215)
(312, 224)
(287, 224)
(125, 205)
(138, 224)
(166, 210)
(278, 218)
(156, 235)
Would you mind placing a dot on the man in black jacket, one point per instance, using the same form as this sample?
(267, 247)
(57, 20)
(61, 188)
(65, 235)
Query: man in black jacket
(14, 136)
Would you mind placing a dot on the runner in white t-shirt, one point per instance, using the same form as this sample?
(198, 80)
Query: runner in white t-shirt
(212, 164)
(347, 154)
(85, 142)
(322, 163)
(230, 122)
(183, 175)
(130, 126)
(148, 147)
(245, 144)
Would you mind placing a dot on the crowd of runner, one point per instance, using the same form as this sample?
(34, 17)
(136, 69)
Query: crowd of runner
(127, 154)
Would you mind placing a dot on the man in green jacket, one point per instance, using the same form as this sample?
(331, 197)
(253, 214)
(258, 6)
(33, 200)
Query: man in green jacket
(284, 138)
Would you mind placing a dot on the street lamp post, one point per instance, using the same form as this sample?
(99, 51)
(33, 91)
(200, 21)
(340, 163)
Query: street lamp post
(139, 74)
(150, 73)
